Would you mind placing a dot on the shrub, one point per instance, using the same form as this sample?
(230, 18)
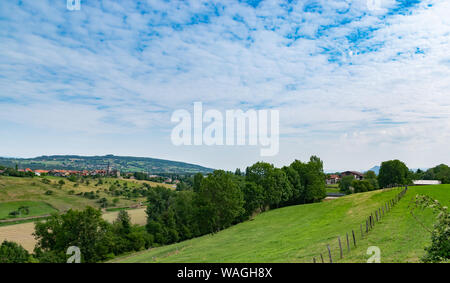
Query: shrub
(439, 250)
(11, 252)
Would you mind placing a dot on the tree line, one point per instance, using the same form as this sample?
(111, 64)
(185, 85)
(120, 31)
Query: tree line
(208, 204)
(392, 172)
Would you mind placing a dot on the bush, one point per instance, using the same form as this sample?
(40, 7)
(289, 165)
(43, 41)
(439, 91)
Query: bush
(49, 192)
(11, 252)
(439, 250)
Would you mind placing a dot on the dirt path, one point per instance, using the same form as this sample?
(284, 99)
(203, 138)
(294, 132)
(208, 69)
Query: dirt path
(24, 218)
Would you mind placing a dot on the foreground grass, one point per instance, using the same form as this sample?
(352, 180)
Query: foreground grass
(299, 233)
(398, 235)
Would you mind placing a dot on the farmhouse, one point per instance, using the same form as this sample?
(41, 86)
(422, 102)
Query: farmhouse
(333, 179)
(426, 182)
(355, 174)
(39, 172)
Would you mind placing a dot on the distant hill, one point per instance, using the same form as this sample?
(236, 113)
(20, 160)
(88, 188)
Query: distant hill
(375, 169)
(122, 163)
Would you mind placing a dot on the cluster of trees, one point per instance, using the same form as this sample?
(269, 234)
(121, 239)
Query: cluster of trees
(212, 203)
(348, 184)
(14, 172)
(11, 252)
(97, 239)
(440, 172)
(392, 172)
(20, 211)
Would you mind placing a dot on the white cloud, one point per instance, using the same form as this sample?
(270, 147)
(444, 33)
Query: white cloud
(364, 80)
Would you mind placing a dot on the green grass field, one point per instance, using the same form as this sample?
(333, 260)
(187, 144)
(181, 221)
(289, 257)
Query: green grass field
(332, 188)
(36, 208)
(299, 233)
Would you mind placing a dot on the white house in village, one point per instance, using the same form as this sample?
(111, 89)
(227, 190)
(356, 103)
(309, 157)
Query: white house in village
(426, 182)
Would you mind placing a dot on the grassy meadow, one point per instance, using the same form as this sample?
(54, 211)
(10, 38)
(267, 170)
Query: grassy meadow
(35, 208)
(299, 233)
(14, 190)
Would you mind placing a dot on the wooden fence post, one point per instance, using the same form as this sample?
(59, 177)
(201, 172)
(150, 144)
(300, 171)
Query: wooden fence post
(321, 258)
(329, 253)
(367, 226)
(340, 246)
(360, 226)
(348, 244)
(314, 260)
(354, 238)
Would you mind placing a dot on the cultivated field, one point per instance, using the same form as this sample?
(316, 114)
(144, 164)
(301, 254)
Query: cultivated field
(138, 216)
(299, 233)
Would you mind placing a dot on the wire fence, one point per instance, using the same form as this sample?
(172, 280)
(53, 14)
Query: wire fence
(364, 229)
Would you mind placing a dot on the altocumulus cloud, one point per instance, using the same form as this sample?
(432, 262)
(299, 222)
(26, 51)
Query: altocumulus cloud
(354, 85)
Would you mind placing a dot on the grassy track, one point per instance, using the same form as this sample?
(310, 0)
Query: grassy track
(35, 208)
(297, 233)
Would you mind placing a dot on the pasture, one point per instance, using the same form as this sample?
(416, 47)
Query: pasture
(299, 233)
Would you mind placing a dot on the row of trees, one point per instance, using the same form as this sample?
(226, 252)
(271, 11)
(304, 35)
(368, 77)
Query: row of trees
(392, 172)
(440, 172)
(212, 203)
(348, 184)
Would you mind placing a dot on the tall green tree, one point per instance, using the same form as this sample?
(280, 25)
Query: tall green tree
(312, 179)
(393, 172)
(263, 174)
(220, 201)
(372, 178)
(345, 184)
(85, 229)
(198, 178)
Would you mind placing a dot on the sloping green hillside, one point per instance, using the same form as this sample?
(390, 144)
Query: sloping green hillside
(299, 233)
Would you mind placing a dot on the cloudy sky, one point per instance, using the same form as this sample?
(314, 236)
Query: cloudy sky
(356, 82)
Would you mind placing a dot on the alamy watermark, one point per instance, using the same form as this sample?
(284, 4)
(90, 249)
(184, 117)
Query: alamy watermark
(73, 5)
(237, 127)
(375, 254)
(75, 253)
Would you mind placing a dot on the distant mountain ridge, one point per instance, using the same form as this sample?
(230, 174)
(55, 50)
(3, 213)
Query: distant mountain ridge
(122, 163)
(375, 169)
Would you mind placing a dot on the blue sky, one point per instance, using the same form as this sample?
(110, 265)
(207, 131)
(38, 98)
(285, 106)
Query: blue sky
(355, 83)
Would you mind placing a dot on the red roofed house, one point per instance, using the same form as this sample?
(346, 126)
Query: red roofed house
(355, 174)
(333, 179)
